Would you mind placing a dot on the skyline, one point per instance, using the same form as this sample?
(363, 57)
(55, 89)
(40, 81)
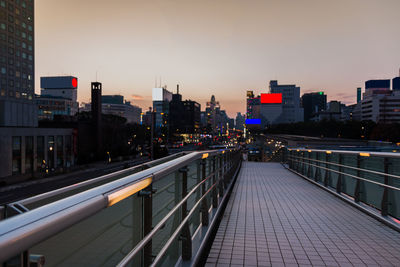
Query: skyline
(222, 48)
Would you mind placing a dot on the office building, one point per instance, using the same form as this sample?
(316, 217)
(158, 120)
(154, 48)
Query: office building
(17, 105)
(313, 103)
(380, 104)
(291, 108)
(184, 116)
(25, 150)
(280, 105)
(396, 84)
(240, 121)
(58, 97)
(358, 95)
(161, 99)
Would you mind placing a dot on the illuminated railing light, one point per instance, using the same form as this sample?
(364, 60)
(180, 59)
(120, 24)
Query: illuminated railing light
(328, 152)
(365, 154)
(204, 156)
(309, 151)
(128, 191)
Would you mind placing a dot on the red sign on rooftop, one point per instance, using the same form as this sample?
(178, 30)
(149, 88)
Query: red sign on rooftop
(271, 98)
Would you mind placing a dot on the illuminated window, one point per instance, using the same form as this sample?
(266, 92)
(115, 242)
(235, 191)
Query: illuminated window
(2, 92)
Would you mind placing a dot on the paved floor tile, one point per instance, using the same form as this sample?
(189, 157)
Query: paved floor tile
(276, 218)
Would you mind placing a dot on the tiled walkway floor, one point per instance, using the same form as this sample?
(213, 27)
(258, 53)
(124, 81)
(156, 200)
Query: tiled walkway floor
(275, 218)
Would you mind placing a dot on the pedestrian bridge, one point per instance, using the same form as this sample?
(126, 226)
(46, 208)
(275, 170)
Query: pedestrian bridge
(320, 208)
(275, 217)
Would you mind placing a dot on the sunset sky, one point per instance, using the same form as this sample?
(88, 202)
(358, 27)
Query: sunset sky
(218, 47)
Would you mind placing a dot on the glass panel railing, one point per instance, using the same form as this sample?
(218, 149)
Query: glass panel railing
(393, 195)
(371, 194)
(334, 176)
(348, 182)
(100, 240)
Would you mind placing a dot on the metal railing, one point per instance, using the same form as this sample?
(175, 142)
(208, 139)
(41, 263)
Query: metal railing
(155, 217)
(372, 178)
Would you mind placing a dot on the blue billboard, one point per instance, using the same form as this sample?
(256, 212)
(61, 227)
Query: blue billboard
(253, 121)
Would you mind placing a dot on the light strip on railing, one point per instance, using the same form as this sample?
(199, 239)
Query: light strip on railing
(128, 191)
(205, 155)
(365, 154)
(328, 152)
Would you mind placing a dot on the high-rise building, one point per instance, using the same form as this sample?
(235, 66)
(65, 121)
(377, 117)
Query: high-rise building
(313, 103)
(396, 84)
(17, 105)
(291, 108)
(358, 94)
(161, 99)
(240, 121)
(184, 116)
(26, 151)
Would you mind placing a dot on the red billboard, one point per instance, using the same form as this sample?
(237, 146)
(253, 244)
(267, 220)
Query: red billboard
(271, 98)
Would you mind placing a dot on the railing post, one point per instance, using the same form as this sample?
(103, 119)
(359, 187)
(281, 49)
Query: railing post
(302, 163)
(358, 182)
(148, 225)
(339, 181)
(309, 165)
(385, 197)
(225, 158)
(220, 178)
(204, 204)
(186, 236)
(214, 192)
(316, 168)
(327, 173)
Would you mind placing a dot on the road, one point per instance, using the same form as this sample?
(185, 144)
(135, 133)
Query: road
(16, 192)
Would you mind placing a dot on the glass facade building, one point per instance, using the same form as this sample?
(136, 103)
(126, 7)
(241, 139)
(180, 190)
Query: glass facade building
(17, 106)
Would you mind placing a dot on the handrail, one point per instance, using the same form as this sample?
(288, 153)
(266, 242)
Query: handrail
(156, 228)
(353, 176)
(21, 232)
(350, 167)
(371, 153)
(65, 189)
(32, 225)
(179, 228)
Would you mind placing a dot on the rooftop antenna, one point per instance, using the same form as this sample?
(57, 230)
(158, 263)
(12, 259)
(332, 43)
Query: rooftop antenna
(160, 82)
(177, 89)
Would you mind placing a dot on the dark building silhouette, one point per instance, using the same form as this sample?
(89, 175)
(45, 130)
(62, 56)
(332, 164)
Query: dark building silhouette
(313, 103)
(184, 116)
(377, 84)
(96, 115)
(396, 83)
(358, 94)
